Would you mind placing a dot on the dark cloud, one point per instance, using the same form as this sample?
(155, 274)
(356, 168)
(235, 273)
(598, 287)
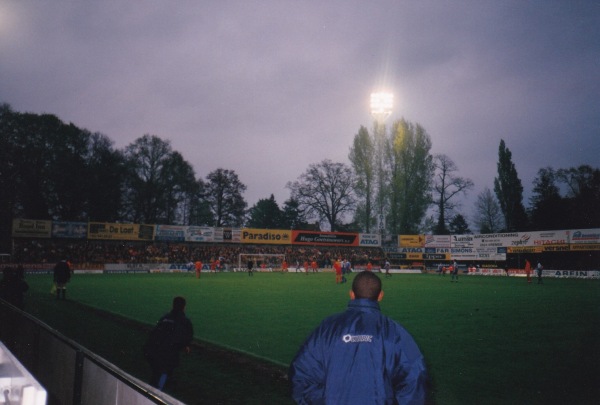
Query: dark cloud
(266, 88)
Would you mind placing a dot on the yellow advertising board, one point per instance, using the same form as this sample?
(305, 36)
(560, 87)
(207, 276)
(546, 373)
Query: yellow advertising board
(556, 248)
(266, 236)
(585, 246)
(525, 249)
(411, 240)
(102, 230)
(31, 228)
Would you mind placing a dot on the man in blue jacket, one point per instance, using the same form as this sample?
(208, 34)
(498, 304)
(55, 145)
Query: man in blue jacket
(359, 356)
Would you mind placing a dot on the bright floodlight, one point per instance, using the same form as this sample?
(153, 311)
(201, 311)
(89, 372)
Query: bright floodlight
(381, 105)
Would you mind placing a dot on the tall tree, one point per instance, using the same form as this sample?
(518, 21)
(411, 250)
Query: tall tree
(105, 174)
(51, 170)
(157, 179)
(198, 206)
(67, 169)
(446, 187)
(9, 184)
(293, 217)
(362, 157)
(509, 191)
(488, 215)
(48, 167)
(265, 214)
(180, 179)
(361, 218)
(325, 190)
(382, 150)
(411, 170)
(223, 192)
(145, 158)
(547, 207)
(583, 195)
(458, 225)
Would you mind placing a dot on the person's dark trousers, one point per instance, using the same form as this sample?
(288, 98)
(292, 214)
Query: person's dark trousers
(159, 379)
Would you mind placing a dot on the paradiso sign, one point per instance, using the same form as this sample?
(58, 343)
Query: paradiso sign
(268, 236)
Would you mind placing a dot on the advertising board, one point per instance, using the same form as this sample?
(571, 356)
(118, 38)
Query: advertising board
(71, 230)
(31, 228)
(117, 231)
(369, 240)
(266, 236)
(170, 233)
(324, 238)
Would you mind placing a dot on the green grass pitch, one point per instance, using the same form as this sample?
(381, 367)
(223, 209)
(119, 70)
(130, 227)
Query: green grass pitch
(486, 340)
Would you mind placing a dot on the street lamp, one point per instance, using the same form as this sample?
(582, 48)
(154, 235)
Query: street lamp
(381, 105)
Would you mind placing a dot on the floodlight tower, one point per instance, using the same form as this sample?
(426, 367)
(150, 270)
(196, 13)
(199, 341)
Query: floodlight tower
(381, 105)
(381, 108)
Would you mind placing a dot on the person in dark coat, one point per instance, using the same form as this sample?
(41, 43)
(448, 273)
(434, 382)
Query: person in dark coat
(172, 334)
(62, 275)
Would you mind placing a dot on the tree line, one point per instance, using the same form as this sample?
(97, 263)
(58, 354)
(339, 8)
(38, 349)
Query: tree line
(401, 188)
(393, 185)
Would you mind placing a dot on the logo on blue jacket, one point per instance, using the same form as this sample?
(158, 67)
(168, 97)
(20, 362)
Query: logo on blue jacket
(357, 338)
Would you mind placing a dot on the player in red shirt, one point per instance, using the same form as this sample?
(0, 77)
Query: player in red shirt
(198, 266)
(338, 271)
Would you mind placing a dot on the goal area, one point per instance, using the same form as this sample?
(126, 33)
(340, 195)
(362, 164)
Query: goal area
(261, 261)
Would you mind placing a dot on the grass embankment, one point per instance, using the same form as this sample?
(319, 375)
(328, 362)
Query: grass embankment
(486, 339)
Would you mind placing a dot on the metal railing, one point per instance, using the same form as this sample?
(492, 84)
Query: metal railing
(70, 373)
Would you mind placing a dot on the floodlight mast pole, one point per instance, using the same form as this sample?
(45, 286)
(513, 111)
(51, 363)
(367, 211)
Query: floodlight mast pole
(381, 108)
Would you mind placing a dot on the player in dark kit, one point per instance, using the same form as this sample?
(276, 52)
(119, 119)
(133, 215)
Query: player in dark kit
(62, 275)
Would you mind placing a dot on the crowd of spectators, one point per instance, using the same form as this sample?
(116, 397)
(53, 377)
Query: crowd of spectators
(92, 252)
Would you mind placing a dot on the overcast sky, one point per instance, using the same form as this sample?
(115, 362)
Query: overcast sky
(266, 88)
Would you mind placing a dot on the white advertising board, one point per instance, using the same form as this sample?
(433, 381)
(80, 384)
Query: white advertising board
(579, 236)
(437, 241)
(369, 239)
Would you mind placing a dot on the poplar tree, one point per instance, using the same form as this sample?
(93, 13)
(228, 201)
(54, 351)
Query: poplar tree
(509, 191)
(362, 157)
(411, 169)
